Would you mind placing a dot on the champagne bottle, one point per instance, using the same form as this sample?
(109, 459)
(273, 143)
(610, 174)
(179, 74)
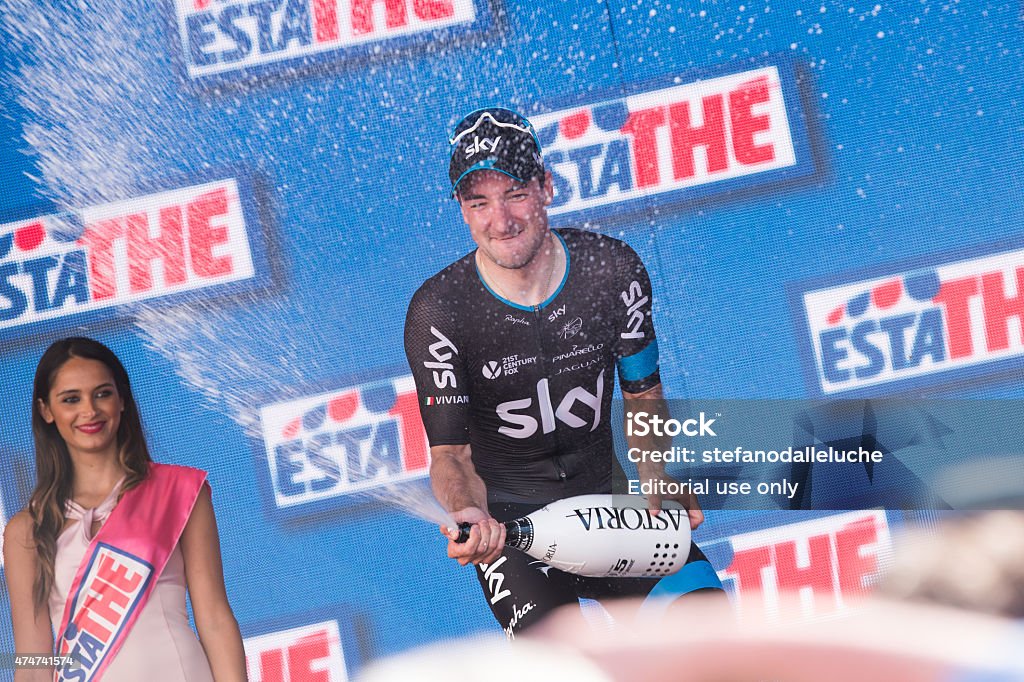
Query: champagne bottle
(603, 536)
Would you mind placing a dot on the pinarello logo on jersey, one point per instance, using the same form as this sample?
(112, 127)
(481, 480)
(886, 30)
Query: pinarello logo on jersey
(219, 36)
(329, 446)
(829, 562)
(110, 591)
(298, 654)
(928, 324)
(105, 257)
(672, 142)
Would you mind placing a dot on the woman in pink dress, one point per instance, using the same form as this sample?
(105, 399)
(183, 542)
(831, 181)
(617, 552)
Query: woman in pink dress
(91, 452)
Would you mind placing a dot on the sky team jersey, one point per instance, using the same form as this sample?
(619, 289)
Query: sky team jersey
(530, 389)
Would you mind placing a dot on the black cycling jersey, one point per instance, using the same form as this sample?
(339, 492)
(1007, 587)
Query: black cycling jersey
(530, 389)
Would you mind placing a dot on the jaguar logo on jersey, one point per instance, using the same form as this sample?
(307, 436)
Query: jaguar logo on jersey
(828, 562)
(927, 324)
(677, 141)
(326, 447)
(220, 36)
(105, 257)
(299, 654)
(107, 597)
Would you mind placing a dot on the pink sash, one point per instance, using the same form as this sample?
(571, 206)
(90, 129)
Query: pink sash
(121, 567)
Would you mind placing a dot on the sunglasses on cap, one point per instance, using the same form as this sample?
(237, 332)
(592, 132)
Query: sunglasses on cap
(497, 116)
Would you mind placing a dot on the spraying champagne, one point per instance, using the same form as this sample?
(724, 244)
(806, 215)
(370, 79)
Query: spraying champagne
(602, 536)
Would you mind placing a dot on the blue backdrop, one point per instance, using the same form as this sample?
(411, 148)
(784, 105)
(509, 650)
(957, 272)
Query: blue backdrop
(790, 172)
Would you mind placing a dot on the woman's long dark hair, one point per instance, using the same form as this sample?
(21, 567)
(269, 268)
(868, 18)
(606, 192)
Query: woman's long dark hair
(54, 473)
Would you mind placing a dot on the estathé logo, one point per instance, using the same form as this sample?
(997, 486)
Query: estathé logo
(307, 652)
(139, 249)
(934, 320)
(668, 140)
(328, 446)
(224, 35)
(828, 562)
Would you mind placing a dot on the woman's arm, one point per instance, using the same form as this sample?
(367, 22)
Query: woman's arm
(218, 629)
(32, 630)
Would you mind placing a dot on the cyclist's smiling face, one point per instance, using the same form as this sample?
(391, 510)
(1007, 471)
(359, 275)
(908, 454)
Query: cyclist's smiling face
(507, 218)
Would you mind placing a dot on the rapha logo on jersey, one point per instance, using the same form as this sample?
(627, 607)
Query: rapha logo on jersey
(220, 36)
(927, 324)
(492, 370)
(327, 446)
(517, 320)
(102, 258)
(307, 652)
(106, 600)
(485, 145)
(673, 142)
(525, 424)
(442, 349)
(556, 313)
(571, 328)
(517, 615)
(828, 561)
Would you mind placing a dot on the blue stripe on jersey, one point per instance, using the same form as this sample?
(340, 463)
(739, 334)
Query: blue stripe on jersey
(552, 297)
(639, 365)
(695, 575)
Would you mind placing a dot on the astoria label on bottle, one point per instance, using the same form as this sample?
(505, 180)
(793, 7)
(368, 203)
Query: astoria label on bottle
(603, 536)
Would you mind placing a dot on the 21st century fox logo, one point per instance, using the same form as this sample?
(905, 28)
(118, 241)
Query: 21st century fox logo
(926, 324)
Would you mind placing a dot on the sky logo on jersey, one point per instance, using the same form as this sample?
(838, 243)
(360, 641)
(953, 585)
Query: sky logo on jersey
(329, 446)
(300, 654)
(225, 35)
(674, 142)
(105, 257)
(829, 562)
(928, 324)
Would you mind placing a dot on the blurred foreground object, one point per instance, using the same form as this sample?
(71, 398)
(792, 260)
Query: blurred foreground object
(974, 563)
(493, 660)
(878, 640)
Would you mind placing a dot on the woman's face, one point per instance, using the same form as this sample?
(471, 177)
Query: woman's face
(85, 406)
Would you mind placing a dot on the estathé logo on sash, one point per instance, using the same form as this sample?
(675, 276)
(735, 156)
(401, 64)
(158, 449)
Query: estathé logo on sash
(917, 325)
(107, 256)
(307, 652)
(325, 447)
(827, 562)
(107, 597)
(225, 35)
(675, 142)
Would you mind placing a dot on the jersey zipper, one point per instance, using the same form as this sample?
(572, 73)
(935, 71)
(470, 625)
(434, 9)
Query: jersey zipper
(541, 359)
